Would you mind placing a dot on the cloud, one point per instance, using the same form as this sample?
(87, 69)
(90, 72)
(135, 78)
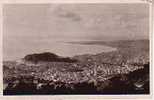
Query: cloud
(67, 14)
(70, 15)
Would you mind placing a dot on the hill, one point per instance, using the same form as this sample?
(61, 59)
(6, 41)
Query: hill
(47, 57)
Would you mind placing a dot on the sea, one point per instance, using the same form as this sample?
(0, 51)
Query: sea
(16, 49)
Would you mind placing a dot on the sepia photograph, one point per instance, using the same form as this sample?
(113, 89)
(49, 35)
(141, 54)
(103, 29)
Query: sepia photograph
(76, 49)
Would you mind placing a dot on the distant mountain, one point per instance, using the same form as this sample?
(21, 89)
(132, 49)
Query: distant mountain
(47, 57)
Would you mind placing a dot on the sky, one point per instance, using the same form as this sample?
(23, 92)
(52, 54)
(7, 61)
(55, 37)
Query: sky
(75, 21)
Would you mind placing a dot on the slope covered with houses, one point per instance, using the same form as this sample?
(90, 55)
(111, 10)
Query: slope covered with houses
(85, 74)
